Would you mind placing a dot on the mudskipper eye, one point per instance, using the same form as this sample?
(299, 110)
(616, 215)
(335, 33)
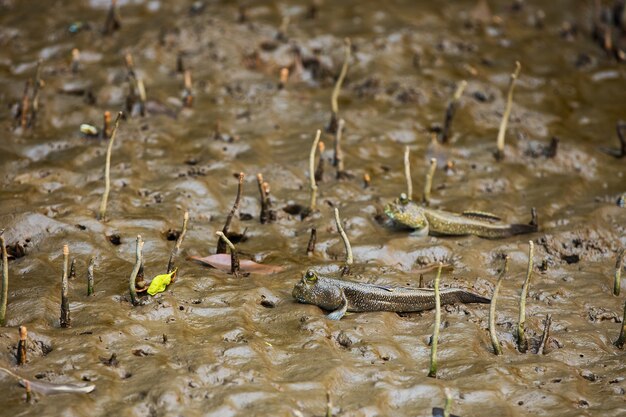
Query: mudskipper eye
(403, 199)
(310, 276)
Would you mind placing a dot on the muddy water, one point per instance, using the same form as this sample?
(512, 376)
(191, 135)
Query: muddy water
(208, 346)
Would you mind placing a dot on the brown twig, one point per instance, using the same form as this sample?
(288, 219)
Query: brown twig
(621, 133)
(507, 112)
(72, 269)
(329, 405)
(617, 279)
(338, 156)
(75, 64)
(546, 334)
(141, 90)
(346, 243)
(283, 78)
(266, 215)
(621, 340)
(313, 184)
(113, 21)
(407, 173)
(367, 180)
(106, 125)
(450, 111)
(107, 171)
(21, 345)
(180, 64)
(221, 244)
(25, 106)
(179, 242)
(35, 100)
(29, 396)
(132, 282)
(310, 247)
(332, 125)
(4, 291)
(65, 303)
(522, 343)
(234, 256)
(187, 92)
(92, 263)
(432, 372)
(497, 349)
(137, 88)
(319, 171)
(428, 184)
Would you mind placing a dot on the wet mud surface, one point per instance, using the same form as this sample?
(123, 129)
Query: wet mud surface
(218, 345)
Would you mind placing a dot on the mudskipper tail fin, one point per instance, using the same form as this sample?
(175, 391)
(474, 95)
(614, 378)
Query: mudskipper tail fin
(521, 229)
(462, 296)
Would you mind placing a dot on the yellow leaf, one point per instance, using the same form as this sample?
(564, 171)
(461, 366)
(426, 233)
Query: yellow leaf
(160, 282)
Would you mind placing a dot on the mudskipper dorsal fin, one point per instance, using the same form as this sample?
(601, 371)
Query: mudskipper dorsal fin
(383, 287)
(482, 215)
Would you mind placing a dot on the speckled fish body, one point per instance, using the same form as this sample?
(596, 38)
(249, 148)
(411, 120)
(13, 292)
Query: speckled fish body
(334, 294)
(439, 222)
(446, 223)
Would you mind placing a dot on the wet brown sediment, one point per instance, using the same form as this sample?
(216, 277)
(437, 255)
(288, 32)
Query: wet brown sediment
(216, 358)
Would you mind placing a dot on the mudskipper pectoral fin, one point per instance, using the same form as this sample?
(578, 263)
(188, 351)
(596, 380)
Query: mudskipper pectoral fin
(341, 311)
(420, 232)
